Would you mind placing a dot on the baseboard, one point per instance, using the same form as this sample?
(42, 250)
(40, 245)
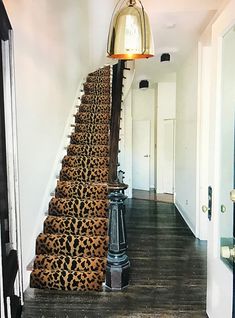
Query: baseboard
(184, 216)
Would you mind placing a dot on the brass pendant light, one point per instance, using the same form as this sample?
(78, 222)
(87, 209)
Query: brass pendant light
(130, 35)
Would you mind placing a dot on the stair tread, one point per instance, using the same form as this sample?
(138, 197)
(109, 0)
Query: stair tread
(44, 235)
(80, 218)
(54, 262)
(74, 245)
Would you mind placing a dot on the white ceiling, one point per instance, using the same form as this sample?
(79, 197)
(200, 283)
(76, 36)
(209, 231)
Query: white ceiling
(176, 26)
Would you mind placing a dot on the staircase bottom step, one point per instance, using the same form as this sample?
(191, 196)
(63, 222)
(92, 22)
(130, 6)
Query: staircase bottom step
(66, 280)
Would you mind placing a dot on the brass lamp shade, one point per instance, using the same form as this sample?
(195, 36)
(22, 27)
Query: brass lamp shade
(130, 35)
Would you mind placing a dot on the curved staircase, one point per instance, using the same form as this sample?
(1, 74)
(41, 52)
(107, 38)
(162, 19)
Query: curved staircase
(71, 252)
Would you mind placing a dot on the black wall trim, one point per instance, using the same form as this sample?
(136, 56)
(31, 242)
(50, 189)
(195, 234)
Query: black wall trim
(5, 24)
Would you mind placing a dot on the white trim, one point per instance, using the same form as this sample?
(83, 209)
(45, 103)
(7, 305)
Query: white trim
(61, 151)
(1, 281)
(8, 307)
(184, 216)
(52, 180)
(202, 153)
(198, 145)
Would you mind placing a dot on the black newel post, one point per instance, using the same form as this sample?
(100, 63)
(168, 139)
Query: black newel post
(118, 265)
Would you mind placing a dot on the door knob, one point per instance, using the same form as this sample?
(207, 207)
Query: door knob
(146, 156)
(227, 252)
(204, 208)
(223, 208)
(232, 195)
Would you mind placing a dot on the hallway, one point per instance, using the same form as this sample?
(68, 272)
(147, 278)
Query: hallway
(168, 273)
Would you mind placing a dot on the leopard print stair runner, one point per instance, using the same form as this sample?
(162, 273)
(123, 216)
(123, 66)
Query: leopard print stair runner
(71, 252)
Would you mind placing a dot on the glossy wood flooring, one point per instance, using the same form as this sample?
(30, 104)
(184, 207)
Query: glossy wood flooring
(168, 273)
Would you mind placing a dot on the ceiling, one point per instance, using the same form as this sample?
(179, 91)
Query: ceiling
(176, 26)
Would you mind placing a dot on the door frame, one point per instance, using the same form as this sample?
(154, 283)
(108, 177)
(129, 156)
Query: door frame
(203, 118)
(233, 310)
(12, 307)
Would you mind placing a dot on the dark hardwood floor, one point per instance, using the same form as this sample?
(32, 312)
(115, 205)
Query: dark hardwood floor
(168, 273)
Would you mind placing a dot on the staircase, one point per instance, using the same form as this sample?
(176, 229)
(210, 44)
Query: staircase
(71, 252)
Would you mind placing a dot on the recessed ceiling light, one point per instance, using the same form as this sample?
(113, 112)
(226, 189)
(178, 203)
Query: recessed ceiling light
(170, 25)
(165, 57)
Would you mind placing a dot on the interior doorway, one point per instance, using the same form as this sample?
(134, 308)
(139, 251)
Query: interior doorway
(165, 141)
(141, 154)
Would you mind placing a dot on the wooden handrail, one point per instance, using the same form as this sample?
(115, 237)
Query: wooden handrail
(117, 83)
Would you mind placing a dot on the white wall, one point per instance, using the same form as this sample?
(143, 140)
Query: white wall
(125, 144)
(166, 108)
(100, 13)
(186, 139)
(51, 58)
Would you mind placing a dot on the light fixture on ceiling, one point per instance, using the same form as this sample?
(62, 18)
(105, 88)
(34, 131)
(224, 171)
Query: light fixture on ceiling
(165, 57)
(130, 36)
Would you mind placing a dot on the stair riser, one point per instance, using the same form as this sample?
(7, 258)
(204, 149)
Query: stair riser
(74, 226)
(85, 162)
(94, 129)
(89, 139)
(78, 208)
(65, 280)
(92, 118)
(96, 99)
(89, 151)
(68, 190)
(87, 108)
(98, 79)
(72, 245)
(84, 175)
(96, 88)
(102, 72)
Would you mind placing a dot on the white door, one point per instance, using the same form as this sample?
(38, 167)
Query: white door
(221, 174)
(141, 154)
(168, 176)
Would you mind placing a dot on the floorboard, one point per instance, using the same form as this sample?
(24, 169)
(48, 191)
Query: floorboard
(168, 273)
